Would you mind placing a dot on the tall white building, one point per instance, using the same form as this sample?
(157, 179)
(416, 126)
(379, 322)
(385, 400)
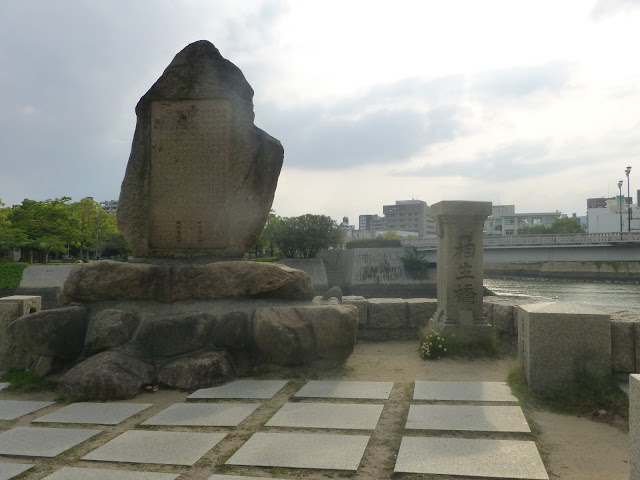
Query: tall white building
(613, 216)
(407, 216)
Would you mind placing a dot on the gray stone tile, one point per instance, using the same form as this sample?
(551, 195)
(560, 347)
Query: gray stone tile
(42, 442)
(327, 415)
(302, 450)
(11, 470)
(470, 457)
(94, 413)
(12, 409)
(74, 473)
(261, 389)
(235, 477)
(3, 385)
(167, 448)
(204, 414)
(346, 389)
(464, 391)
(467, 417)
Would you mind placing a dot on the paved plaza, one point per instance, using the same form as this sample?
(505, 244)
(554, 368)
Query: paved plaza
(253, 429)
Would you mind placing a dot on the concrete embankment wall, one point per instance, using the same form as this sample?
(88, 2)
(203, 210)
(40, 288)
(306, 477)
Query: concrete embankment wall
(377, 272)
(588, 271)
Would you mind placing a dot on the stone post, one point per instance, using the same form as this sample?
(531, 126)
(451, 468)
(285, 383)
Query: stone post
(634, 425)
(459, 231)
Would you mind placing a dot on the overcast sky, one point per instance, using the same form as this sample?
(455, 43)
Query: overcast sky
(532, 103)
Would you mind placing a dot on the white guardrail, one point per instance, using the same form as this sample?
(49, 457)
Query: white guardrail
(556, 239)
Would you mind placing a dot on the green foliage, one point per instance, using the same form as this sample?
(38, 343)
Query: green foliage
(559, 226)
(11, 275)
(375, 243)
(588, 393)
(433, 346)
(304, 236)
(266, 259)
(430, 343)
(415, 266)
(391, 235)
(25, 381)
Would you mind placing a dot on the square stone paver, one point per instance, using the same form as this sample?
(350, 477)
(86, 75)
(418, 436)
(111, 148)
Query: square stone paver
(327, 415)
(464, 391)
(302, 450)
(12, 409)
(235, 477)
(346, 389)
(261, 389)
(42, 442)
(467, 417)
(204, 414)
(74, 473)
(470, 457)
(94, 413)
(167, 448)
(11, 470)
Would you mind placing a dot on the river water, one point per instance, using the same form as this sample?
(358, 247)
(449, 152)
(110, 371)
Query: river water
(624, 296)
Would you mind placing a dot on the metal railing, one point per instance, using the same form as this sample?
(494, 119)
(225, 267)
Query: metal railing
(555, 239)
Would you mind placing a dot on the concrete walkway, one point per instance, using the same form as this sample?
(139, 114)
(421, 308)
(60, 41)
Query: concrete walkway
(277, 428)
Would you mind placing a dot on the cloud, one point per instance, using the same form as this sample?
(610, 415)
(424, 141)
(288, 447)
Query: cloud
(504, 162)
(604, 9)
(519, 82)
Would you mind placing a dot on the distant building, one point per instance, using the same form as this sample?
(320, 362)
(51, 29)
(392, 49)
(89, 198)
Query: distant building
(109, 205)
(409, 216)
(613, 216)
(505, 221)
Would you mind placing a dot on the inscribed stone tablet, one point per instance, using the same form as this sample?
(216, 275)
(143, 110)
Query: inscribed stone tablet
(188, 174)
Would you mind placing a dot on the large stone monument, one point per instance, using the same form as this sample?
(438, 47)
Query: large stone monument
(188, 312)
(459, 231)
(201, 176)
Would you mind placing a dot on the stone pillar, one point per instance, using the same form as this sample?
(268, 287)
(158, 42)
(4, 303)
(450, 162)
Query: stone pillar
(634, 425)
(459, 230)
(11, 308)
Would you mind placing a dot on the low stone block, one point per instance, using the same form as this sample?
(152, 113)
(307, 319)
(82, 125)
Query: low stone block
(109, 375)
(557, 341)
(179, 334)
(58, 333)
(199, 371)
(420, 311)
(109, 329)
(387, 313)
(296, 335)
(623, 349)
(11, 308)
(634, 425)
(362, 305)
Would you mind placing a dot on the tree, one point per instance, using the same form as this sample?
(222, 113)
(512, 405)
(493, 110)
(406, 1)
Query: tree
(94, 226)
(47, 225)
(306, 235)
(566, 225)
(559, 226)
(391, 235)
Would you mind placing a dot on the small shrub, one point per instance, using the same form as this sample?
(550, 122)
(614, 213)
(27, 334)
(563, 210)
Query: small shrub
(433, 346)
(11, 275)
(25, 381)
(416, 267)
(430, 346)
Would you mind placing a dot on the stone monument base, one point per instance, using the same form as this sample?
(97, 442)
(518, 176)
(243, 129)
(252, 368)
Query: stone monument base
(466, 334)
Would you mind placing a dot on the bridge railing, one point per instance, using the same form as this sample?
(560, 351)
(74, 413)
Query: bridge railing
(554, 239)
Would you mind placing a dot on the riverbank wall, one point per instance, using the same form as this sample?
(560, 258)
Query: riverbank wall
(628, 272)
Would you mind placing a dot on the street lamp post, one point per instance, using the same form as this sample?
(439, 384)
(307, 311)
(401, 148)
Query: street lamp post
(620, 189)
(629, 207)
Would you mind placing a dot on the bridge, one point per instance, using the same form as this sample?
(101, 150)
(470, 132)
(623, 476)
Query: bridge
(581, 247)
